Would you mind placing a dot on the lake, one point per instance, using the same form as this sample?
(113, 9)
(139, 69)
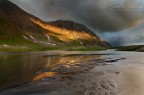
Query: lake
(126, 69)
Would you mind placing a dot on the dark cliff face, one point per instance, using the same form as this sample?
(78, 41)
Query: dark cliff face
(20, 28)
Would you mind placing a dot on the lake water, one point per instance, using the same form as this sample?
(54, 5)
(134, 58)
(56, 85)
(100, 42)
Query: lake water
(20, 68)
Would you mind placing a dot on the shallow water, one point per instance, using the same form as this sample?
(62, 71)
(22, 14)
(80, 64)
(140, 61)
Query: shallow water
(19, 68)
(130, 78)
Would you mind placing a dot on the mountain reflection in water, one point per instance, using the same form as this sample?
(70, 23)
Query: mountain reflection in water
(73, 73)
(19, 68)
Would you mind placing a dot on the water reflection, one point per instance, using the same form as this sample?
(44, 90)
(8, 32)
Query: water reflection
(124, 76)
(70, 59)
(19, 68)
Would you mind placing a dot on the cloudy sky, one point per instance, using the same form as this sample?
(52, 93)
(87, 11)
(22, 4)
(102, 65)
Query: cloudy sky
(120, 22)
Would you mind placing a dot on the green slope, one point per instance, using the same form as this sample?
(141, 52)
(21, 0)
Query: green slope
(20, 31)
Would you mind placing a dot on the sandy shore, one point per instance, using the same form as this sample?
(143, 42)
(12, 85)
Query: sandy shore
(71, 79)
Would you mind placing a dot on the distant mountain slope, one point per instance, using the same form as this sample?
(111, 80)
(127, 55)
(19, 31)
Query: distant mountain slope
(131, 48)
(19, 29)
(141, 49)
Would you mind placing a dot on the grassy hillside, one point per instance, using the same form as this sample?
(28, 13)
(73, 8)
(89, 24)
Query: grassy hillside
(20, 31)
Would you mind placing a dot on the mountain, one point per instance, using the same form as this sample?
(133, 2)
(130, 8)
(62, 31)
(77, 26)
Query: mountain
(20, 30)
(141, 49)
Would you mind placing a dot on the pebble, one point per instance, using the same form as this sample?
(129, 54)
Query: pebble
(105, 85)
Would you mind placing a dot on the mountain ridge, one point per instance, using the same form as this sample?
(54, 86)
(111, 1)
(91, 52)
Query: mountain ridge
(18, 29)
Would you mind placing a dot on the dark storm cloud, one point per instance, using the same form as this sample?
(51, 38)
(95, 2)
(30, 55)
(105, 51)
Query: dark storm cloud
(133, 36)
(102, 15)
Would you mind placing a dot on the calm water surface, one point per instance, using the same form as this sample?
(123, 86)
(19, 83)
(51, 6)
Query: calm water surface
(19, 68)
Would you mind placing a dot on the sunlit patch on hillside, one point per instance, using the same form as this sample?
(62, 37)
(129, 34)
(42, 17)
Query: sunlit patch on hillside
(65, 34)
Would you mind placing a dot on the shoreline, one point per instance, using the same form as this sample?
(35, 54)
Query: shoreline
(70, 79)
